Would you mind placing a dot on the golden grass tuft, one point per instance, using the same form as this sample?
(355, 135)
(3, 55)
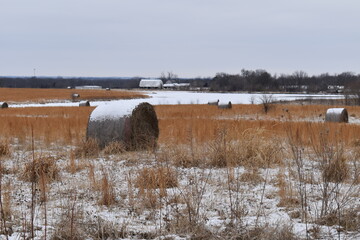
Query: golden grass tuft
(337, 170)
(159, 177)
(114, 148)
(40, 168)
(180, 155)
(107, 191)
(88, 148)
(4, 148)
(250, 150)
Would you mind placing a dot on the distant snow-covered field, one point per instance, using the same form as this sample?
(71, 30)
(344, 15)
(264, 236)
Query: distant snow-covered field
(185, 97)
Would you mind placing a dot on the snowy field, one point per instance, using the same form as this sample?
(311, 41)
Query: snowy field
(208, 202)
(184, 97)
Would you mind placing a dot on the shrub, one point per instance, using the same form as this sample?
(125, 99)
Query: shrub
(88, 148)
(41, 167)
(160, 177)
(114, 148)
(4, 148)
(336, 170)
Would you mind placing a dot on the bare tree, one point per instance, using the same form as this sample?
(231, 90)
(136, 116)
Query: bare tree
(168, 76)
(266, 100)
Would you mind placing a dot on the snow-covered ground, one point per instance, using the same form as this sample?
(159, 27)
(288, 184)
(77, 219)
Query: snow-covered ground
(185, 97)
(204, 194)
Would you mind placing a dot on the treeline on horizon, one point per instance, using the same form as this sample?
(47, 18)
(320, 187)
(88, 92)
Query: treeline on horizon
(246, 80)
(299, 81)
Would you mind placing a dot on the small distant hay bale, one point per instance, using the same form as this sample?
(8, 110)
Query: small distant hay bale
(84, 104)
(135, 125)
(225, 105)
(4, 105)
(337, 115)
(74, 96)
(214, 102)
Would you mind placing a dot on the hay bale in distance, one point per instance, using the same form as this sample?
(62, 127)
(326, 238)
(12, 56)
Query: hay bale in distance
(337, 115)
(74, 96)
(84, 104)
(4, 105)
(214, 102)
(135, 125)
(225, 105)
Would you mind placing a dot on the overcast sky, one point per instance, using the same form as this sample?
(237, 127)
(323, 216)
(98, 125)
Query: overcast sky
(187, 37)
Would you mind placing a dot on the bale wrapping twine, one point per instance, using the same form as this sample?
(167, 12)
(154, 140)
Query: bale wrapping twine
(135, 125)
(337, 115)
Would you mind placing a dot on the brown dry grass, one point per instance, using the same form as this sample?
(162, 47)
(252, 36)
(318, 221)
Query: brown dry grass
(4, 148)
(47, 95)
(41, 167)
(203, 123)
(160, 177)
(50, 124)
(181, 124)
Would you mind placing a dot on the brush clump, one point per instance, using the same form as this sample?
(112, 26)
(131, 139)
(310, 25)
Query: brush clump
(39, 168)
(88, 148)
(4, 148)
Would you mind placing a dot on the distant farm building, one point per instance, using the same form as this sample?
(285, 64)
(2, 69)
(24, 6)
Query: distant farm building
(88, 87)
(335, 89)
(151, 83)
(177, 86)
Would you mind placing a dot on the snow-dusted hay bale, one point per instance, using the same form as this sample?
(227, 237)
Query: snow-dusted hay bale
(135, 125)
(225, 105)
(214, 102)
(84, 104)
(337, 115)
(3, 105)
(74, 96)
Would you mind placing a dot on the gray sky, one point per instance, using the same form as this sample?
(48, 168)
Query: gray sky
(188, 37)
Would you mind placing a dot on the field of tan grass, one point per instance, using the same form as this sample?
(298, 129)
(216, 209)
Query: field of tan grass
(180, 123)
(47, 95)
(66, 125)
(202, 123)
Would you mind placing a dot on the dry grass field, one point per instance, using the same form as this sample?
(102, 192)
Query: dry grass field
(48, 95)
(216, 174)
(179, 123)
(65, 125)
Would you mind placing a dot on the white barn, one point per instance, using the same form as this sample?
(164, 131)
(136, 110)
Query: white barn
(151, 83)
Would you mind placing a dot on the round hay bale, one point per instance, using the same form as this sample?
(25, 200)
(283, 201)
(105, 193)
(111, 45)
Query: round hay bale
(84, 104)
(225, 105)
(135, 125)
(337, 115)
(4, 105)
(214, 102)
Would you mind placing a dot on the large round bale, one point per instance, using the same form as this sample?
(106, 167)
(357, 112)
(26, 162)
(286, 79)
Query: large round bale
(214, 102)
(225, 105)
(337, 115)
(4, 105)
(134, 124)
(84, 104)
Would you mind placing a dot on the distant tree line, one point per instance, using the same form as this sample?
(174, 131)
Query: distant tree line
(59, 82)
(246, 80)
(299, 81)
